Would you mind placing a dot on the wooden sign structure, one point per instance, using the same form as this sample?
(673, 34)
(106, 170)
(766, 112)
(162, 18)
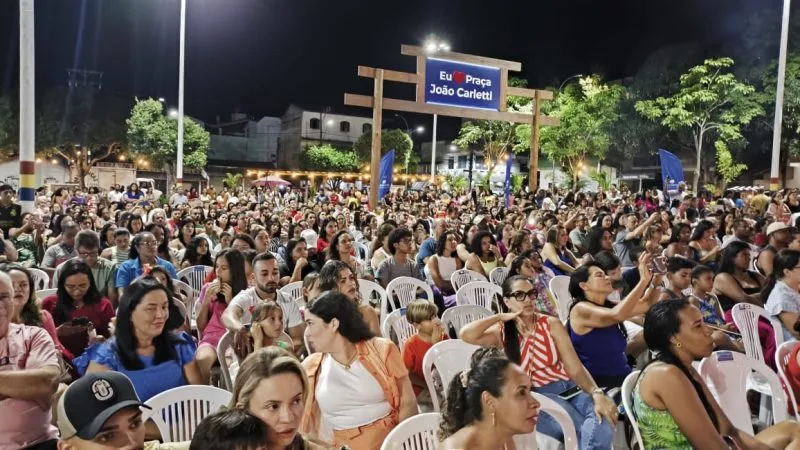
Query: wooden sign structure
(425, 89)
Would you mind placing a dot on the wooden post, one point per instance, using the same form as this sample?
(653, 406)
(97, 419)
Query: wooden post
(533, 178)
(375, 162)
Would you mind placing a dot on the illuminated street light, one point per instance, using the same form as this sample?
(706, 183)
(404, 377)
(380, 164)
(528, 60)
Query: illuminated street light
(420, 129)
(173, 113)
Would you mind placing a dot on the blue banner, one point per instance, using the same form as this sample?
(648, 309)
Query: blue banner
(507, 186)
(671, 171)
(460, 84)
(387, 165)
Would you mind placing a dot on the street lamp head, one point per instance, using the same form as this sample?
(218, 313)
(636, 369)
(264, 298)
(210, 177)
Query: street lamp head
(173, 113)
(430, 47)
(162, 99)
(420, 129)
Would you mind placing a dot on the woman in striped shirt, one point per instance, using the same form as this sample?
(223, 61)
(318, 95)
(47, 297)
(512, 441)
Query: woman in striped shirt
(541, 346)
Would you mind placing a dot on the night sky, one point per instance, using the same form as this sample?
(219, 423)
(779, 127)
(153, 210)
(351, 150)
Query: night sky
(258, 56)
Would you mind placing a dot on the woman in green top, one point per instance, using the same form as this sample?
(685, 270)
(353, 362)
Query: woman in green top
(26, 240)
(672, 405)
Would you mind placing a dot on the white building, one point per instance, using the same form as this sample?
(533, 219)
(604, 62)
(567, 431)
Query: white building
(301, 127)
(244, 140)
(46, 173)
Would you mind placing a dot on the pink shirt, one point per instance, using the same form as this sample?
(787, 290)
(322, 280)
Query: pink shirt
(24, 423)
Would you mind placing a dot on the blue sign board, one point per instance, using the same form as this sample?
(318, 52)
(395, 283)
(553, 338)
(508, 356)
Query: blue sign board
(460, 84)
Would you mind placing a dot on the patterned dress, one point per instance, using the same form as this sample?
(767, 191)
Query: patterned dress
(659, 430)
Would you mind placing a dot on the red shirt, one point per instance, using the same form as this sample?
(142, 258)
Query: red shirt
(100, 314)
(413, 354)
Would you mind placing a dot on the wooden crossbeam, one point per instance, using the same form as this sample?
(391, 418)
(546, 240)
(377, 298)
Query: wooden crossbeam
(393, 104)
(529, 93)
(388, 75)
(413, 50)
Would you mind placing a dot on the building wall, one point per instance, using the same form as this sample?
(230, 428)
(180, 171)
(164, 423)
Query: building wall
(46, 172)
(258, 143)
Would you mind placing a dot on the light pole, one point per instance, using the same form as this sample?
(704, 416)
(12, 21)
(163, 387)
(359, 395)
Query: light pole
(181, 59)
(433, 46)
(577, 75)
(774, 173)
(27, 112)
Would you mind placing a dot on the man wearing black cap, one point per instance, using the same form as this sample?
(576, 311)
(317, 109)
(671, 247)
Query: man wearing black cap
(10, 212)
(101, 411)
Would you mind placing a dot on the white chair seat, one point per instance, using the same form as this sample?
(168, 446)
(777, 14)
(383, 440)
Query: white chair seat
(481, 293)
(463, 276)
(420, 432)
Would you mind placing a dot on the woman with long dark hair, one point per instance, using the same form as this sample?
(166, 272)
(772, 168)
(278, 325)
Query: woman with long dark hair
(341, 249)
(540, 344)
(185, 233)
(328, 228)
(380, 246)
(198, 253)
(520, 242)
(444, 262)
(557, 257)
(705, 242)
(600, 239)
(673, 406)
(296, 265)
(351, 363)
(484, 256)
(679, 243)
(492, 391)
(529, 265)
(161, 233)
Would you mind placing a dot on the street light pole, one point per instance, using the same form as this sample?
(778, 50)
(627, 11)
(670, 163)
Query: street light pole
(433, 151)
(27, 112)
(181, 59)
(774, 173)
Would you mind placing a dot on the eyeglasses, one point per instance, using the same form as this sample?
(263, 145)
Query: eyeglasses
(93, 254)
(521, 296)
(149, 243)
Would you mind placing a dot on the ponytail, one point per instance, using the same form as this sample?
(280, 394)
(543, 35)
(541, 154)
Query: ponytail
(455, 408)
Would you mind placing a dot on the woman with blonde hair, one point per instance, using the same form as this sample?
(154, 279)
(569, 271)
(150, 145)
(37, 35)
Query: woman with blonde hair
(273, 386)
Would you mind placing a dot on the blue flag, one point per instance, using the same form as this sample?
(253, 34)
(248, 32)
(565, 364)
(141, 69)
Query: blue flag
(507, 185)
(387, 165)
(671, 171)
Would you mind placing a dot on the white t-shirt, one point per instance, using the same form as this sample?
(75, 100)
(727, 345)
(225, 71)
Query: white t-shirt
(349, 398)
(248, 299)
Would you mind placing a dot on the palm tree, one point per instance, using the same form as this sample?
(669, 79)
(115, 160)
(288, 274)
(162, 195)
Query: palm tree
(232, 180)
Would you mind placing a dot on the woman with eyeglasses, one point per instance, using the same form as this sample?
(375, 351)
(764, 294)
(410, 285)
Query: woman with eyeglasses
(143, 253)
(540, 345)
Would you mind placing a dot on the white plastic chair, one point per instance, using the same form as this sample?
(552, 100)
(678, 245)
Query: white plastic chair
(368, 289)
(449, 357)
(481, 293)
(404, 289)
(420, 432)
(41, 280)
(726, 374)
(627, 403)
(293, 290)
(536, 440)
(44, 293)
(458, 316)
(781, 361)
(178, 411)
(195, 276)
(225, 343)
(396, 321)
(559, 287)
(362, 251)
(498, 275)
(463, 276)
(191, 297)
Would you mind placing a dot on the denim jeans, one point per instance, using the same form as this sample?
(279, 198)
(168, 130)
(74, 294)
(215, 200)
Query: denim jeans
(591, 434)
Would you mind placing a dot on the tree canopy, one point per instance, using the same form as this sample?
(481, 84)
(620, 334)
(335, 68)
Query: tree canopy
(398, 140)
(329, 159)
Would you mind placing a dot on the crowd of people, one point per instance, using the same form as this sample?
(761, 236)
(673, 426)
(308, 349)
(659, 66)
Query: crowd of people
(653, 279)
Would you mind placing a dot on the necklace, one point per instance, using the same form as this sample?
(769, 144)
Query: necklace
(350, 362)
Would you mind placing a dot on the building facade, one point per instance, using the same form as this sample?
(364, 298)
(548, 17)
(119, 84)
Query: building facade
(244, 140)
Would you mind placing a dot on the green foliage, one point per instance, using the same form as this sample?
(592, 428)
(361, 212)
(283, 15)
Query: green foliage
(587, 111)
(232, 180)
(517, 182)
(153, 135)
(457, 183)
(601, 178)
(328, 158)
(710, 100)
(398, 140)
(9, 127)
(727, 168)
(483, 182)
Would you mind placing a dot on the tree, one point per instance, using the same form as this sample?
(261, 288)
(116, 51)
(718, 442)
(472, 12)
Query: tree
(154, 136)
(329, 159)
(9, 127)
(587, 110)
(727, 168)
(232, 180)
(517, 183)
(710, 101)
(457, 183)
(496, 138)
(398, 140)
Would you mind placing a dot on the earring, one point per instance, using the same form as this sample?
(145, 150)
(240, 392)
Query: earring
(494, 419)
(678, 345)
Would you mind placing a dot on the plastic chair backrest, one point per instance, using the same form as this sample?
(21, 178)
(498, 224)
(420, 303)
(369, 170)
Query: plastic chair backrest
(498, 275)
(726, 375)
(449, 357)
(463, 276)
(225, 343)
(404, 289)
(420, 432)
(42, 294)
(396, 321)
(368, 290)
(560, 415)
(481, 293)
(195, 276)
(178, 411)
(293, 290)
(41, 280)
(458, 316)
(362, 251)
(627, 402)
(559, 287)
(745, 316)
(190, 294)
(781, 361)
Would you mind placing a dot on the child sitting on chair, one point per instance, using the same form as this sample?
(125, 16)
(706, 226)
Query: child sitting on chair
(723, 334)
(267, 327)
(422, 315)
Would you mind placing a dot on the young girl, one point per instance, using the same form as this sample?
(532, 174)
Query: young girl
(267, 326)
(422, 315)
(708, 304)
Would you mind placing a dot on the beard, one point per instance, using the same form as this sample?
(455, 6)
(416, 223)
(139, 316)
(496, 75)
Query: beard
(269, 288)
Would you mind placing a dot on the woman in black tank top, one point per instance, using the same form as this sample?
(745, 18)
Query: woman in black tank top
(734, 283)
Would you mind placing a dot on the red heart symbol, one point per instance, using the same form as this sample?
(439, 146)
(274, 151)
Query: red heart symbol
(458, 76)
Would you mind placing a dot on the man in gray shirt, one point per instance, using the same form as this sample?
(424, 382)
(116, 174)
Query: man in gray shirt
(399, 264)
